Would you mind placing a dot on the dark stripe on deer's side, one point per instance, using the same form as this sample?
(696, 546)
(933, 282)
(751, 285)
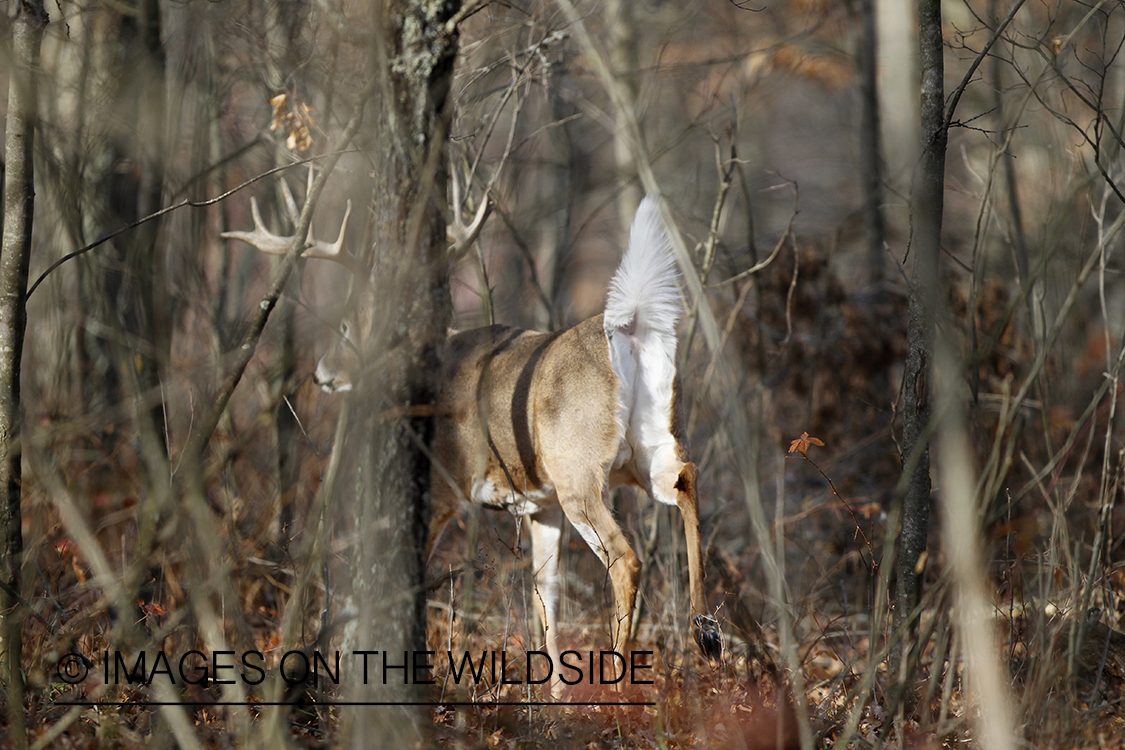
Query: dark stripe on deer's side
(484, 412)
(521, 408)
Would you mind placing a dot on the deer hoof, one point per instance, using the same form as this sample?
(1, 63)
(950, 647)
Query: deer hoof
(708, 637)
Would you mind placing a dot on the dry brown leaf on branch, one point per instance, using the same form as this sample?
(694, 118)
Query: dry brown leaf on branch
(296, 119)
(802, 444)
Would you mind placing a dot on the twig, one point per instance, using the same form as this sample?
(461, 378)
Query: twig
(874, 566)
(790, 293)
(955, 97)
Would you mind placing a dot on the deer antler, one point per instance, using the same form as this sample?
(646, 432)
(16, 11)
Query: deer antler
(458, 234)
(275, 244)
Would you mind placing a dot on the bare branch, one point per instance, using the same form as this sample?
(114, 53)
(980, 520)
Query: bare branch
(956, 96)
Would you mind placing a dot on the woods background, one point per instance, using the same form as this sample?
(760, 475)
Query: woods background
(176, 481)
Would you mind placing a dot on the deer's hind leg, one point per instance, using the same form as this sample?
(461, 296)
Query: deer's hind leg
(587, 509)
(546, 534)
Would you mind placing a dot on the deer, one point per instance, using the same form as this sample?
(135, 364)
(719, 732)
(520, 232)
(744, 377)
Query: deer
(545, 424)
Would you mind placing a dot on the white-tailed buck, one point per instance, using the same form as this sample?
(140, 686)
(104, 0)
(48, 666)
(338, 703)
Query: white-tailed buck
(545, 424)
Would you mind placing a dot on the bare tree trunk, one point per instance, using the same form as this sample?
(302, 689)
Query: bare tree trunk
(283, 56)
(623, 49)
(125, 282)
(141, 354)
(928, 208)
(898, 81)
(559, 192)
(870, 151)
(1015, 213)
(19, 210)
(131, 289)
(149, 321)
(415, 49)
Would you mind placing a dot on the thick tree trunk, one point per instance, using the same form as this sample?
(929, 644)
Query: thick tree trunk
(19, 205)
(928, 208)
(284, 51)
(147, 318)
(124, 288)
(123, 285)
(414, 63)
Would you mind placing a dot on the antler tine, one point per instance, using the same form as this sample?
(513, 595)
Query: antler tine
(260, 237)
(290, 203)
(456, 194)
(336, 249)
(457, 234)
(274, 244)
(461, 236)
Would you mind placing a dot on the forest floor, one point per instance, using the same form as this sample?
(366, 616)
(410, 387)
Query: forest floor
(819, 675)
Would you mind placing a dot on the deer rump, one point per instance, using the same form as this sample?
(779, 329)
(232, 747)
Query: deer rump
(545, 424)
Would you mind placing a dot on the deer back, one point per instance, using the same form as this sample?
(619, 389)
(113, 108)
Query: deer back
(519, 408)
